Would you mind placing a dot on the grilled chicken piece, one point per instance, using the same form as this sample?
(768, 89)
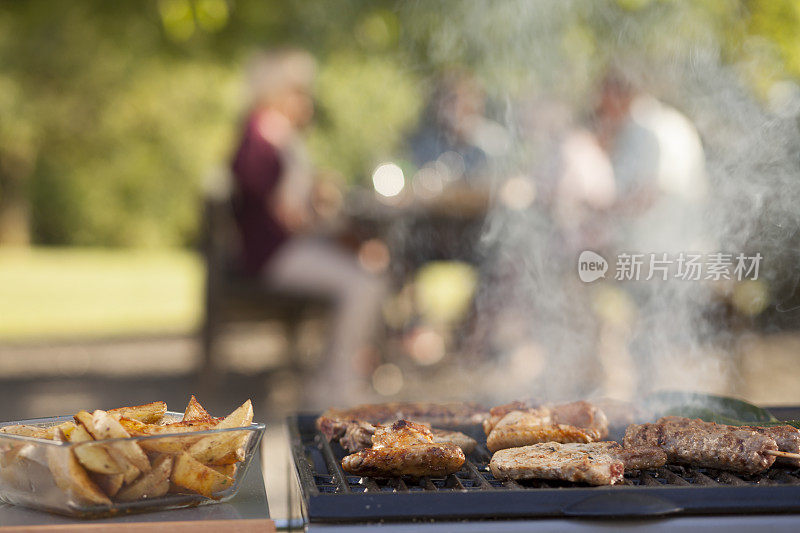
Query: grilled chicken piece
(580, 414)
(355, 435)
(436, 414)
(597, 463)
(519, 428)
(405, 449)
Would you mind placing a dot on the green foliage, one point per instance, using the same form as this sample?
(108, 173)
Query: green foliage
(366, 108)
(112, 113)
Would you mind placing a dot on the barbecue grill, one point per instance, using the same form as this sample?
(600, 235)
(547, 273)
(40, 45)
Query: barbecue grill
(330, 495)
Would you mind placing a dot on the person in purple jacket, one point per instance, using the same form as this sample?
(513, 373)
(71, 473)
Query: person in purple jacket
(273, 181)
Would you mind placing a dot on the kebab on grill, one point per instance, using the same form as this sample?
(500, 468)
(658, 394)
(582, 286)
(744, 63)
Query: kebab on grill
(355, 435)
(743, 449)
(596, 463)
(520, 424)
(405, 448)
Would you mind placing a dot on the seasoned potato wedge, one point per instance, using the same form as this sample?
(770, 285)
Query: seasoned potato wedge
(168, 419)
(130, 474)
(26, 431)
(189, 473)
(153, 484)
(136, 428)
(107, 427)
(195, 411)
(65, 427)
(108, 483)
(221, 448)
(70, 476)
(228, 470)
(147, 413)
(94, 457)
(168, 444)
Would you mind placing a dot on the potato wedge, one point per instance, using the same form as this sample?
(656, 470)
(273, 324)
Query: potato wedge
(227, 470)
(215, 448)
(65, 427)
(107, 427)
(167, 444)
(130, 474)
(147, 413)
(71, 477)
(94, 457)
(195, 411)
(153, 484)
(168, 419)
(189, 473)
(136, 428)
(26, 431)
(117, 452)
(108, 483)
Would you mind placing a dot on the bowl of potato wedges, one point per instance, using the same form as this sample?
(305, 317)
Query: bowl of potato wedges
(128, 459)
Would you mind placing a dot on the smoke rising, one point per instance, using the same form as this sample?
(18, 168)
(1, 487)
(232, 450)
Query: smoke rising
(552, 336)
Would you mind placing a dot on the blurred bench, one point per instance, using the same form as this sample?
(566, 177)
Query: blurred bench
(230, 298)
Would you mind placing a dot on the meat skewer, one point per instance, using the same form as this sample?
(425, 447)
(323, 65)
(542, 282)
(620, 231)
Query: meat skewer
(786, 437)
(597, 463)
(698, 443)
(779, 453)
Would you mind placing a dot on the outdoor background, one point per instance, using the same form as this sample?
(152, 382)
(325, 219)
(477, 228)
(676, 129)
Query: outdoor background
(117, 120)
(114, 118)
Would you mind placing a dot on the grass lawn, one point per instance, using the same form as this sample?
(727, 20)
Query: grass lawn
(74, 292)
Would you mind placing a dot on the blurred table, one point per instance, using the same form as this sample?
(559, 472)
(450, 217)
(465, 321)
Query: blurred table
(446, 226)
(246, 512)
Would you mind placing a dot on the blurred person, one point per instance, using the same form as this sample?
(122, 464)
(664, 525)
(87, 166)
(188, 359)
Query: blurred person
(661, 185)
(455, 122)
(273, 184)
(659, 168)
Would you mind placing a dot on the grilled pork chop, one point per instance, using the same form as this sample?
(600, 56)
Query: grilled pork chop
(355, 435)
(521, 428)
(580, 414)
(436, 414)
(405, 448)
(597, 463)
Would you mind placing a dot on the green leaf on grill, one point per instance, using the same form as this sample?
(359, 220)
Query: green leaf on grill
(709, 407)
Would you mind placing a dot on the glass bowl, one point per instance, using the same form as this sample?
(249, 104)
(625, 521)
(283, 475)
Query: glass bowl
(51, 475)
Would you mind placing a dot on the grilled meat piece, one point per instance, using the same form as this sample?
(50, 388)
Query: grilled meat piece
(698, 443)
(518, 428)
(786, 437)
(496, 414)
(405, 448)
(580, 414)
(596, 463)
(355, 435)
(463, 441)
(436, 414)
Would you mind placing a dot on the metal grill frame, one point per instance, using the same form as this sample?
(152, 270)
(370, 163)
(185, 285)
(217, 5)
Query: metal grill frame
(332, 495)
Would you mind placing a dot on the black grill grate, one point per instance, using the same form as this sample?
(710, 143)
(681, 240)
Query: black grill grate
(330, 494)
